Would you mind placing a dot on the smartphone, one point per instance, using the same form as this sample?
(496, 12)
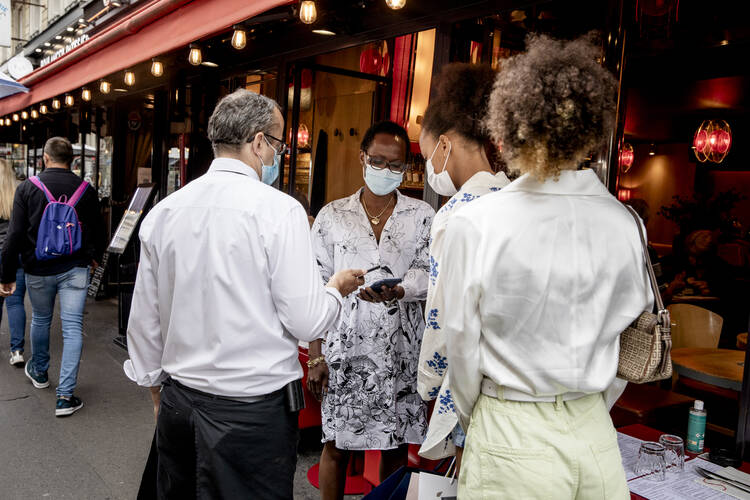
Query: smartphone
(388, 282)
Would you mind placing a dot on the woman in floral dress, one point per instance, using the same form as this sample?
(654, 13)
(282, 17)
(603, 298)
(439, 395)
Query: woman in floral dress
(371, 402)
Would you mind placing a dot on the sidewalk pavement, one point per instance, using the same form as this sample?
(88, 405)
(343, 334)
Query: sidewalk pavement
(100, 451)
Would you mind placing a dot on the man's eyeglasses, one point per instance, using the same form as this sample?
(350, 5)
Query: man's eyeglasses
(283, 147)
(397, 166)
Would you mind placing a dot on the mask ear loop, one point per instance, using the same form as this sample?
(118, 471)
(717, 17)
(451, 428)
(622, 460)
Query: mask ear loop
(445, 164)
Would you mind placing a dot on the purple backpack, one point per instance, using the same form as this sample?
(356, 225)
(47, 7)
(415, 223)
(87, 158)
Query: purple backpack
(59, 230)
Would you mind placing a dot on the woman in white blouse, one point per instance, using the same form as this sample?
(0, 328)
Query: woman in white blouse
(453, 139)
(542, 277)
(369, 360)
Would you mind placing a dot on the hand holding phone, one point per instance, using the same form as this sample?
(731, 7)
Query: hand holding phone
(388, 282)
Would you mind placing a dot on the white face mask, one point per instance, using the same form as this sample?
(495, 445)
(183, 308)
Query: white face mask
(441, 183)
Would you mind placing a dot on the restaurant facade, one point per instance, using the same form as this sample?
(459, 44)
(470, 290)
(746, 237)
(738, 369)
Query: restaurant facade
(136, 92)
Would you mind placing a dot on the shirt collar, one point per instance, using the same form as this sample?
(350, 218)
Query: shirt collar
(353, 203)
(485, 178)
(571, 182)
(232, 165)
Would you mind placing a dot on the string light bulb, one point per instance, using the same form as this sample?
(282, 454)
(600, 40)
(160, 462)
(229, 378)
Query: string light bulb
(195, 57)
(55, 103)
(86, 94)
(7, 122)
(34, 114)
(24, 115)
(105, 87)
(129, 78)
(15, 117)
(239, 38)
(43, 109)
(308, 13)
(157, 67)
(395, 4)
(69, 101)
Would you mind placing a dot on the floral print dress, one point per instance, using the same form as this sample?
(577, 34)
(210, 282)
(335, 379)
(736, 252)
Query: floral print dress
(433, 379)
(372, 353)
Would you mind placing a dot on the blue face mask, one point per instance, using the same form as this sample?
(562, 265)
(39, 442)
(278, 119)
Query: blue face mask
(270, 172)
(382, 182)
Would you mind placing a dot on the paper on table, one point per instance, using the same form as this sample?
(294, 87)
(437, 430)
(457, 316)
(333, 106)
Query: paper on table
(629, 447)
(687, 485)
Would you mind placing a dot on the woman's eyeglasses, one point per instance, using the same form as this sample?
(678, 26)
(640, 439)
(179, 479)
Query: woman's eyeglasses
(397, 166)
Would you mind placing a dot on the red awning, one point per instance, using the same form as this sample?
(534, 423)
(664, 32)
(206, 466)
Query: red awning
(156, 28)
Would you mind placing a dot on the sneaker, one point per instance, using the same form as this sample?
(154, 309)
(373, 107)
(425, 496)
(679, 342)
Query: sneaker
(40, 380)
(16, 358)
(67, 406)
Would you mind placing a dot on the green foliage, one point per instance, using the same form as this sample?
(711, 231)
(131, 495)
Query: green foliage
(702, 211)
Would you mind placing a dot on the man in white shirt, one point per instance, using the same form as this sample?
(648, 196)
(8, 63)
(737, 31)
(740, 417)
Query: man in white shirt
(227, 285)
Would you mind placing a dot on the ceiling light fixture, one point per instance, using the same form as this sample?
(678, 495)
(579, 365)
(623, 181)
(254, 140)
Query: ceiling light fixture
(69, 101)
(24, 115)
(34, 114)
(43, 109)
(195, 57)
(308, 13)
(157, 68)
(15, 117)
(105, 87)
(239, 37)
(129, 78)
(395, 4)
(86, 94)
(55, 103)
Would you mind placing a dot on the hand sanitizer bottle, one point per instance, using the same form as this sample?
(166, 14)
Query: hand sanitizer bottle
(696, 433)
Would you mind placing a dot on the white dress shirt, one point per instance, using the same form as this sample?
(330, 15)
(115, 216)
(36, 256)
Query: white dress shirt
(542, 277)
(227, 285)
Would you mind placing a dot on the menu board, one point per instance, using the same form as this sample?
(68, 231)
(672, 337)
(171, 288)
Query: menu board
(143, 195)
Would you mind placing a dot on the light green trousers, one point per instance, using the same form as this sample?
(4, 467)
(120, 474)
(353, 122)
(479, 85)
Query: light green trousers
(563, 450)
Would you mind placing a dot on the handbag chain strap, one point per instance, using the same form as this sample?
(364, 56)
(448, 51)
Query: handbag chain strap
(661, 311)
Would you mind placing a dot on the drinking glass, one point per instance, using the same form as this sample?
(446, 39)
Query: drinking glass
(674, 452)
(651, 462)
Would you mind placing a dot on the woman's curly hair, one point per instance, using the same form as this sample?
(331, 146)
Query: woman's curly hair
(462, 92)
(551, 106)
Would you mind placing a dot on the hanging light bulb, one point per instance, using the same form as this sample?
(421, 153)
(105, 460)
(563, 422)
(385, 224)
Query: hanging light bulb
(239, 38)
(395, 4)
(7, 122)
(196, 56)
(69, 101)
(55, 103)
(24, 115)
(308, 13)
(86, 94)
(105, 87)
(129, 78)
(15, 117)
(157, 68)
(34, 114)
(43, 109)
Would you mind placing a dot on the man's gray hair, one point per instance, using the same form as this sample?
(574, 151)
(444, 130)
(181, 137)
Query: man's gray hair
(238, 117)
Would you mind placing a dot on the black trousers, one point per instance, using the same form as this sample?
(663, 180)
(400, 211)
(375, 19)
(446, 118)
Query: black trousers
(210, 448)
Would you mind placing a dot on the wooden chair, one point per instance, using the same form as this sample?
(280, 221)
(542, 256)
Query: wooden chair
(649, 405)
(694, 326)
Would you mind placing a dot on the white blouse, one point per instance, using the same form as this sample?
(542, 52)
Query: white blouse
(433, 380)
(542, 278)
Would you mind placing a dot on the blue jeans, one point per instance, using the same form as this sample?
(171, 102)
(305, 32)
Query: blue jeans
(71, 287)
(16, 313)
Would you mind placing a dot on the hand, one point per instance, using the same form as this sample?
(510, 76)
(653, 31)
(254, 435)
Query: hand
(317, 380)
(347, 281)
(7, 289)
(386, 294)
(678, 283)
(156, 399)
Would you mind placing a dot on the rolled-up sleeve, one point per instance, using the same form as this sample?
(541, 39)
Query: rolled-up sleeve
(416, 280)
(145, 343)
(305, 307)
(460, 318)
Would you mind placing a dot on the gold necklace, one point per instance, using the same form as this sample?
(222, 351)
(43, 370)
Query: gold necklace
(376, 219)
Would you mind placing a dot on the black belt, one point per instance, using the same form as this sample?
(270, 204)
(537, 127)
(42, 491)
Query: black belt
(241, 399)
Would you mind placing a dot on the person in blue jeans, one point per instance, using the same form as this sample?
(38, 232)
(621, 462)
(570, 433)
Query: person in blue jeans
(14, 303)
(16, 319)
(66, 276)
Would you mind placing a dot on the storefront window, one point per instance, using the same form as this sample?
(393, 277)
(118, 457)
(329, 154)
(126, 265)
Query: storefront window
(16, 155)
